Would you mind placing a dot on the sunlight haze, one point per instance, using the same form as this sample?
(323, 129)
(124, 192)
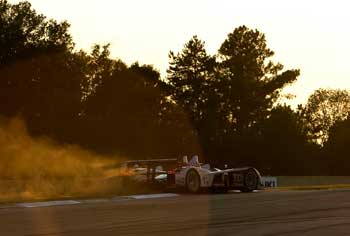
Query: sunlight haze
(310, 35)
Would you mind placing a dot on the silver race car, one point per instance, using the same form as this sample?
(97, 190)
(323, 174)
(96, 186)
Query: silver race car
(195, 177)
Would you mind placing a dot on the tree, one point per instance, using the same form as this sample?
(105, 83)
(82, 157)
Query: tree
(284, 145)
(39, 76)
(191, 78)
(250, 82)
(324, 108)
(225, 100)
(97, 66)
(45, 91)
(25, 33)
(336, 148)
(129, 113)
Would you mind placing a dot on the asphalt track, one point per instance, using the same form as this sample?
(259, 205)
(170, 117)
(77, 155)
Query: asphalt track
(323, 212)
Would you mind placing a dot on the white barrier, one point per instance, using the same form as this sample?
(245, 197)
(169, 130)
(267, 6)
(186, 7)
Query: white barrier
(269, 181)
(290, 181)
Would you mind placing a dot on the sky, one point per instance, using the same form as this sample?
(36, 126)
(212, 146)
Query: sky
(311, 35)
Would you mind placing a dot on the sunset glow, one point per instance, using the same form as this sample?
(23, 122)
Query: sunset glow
(312, 35)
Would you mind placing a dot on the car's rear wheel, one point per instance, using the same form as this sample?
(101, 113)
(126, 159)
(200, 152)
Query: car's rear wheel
(251, 180)
(193, 182)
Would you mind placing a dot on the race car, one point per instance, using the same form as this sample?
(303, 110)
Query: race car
(195, 177)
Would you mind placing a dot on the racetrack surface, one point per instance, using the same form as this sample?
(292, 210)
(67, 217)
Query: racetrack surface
(320, 212)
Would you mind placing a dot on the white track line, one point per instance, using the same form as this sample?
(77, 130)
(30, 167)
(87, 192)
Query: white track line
(46, 204)
(87, 201)
(152, 196)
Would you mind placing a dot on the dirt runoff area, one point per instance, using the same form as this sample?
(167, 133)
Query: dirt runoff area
(38, 168)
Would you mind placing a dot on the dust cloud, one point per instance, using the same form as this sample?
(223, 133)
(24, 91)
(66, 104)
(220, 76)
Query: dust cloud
(39, 168)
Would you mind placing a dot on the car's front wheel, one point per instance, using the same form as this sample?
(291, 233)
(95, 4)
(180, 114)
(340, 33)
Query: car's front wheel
(193, 182)
(251, 180)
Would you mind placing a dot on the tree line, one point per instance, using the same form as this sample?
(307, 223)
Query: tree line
(224, 106)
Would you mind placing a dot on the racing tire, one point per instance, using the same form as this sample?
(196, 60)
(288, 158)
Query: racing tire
(193, 181)
(251, 180)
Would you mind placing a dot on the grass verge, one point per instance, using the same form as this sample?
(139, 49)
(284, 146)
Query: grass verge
(315, 187)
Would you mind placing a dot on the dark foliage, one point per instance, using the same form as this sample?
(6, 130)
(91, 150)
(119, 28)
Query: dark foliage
(336, 150)
(223, 107)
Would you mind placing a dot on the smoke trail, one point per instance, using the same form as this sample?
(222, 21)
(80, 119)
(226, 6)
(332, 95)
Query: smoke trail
(38, 168)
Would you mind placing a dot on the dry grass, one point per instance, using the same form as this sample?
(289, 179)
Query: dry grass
(315, 187)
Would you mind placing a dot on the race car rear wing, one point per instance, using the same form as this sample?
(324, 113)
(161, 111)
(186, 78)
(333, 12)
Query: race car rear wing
(151, 166)
(151, 162)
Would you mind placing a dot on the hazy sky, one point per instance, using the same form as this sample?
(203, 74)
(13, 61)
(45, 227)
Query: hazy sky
(310, 35)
